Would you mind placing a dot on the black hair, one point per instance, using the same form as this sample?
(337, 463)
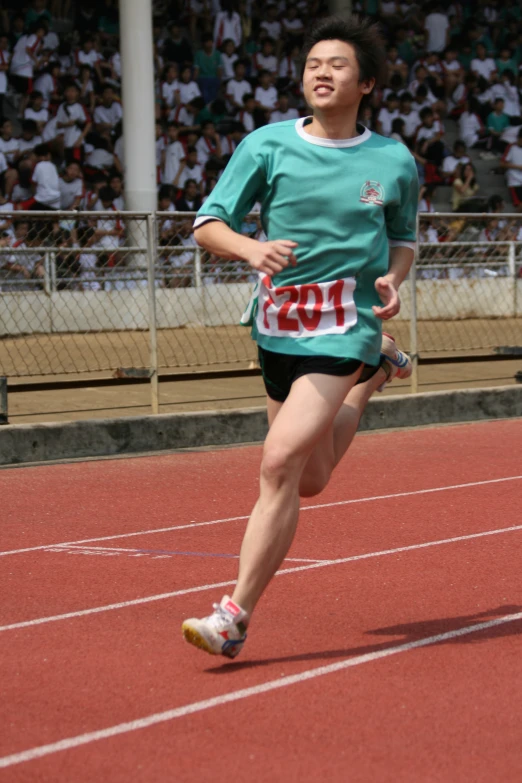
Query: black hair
(362, 34)
(41, 150)
(406, 96)
(106, 194)
(248, 96)
(398, 125)
(165, 192)
(36, 94)
(427, 111)
(190, 150)
(29, 126)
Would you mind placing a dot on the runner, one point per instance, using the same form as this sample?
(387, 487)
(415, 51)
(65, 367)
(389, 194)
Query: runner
(347, 198)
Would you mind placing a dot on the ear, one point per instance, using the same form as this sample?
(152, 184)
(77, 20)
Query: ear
(367, 86)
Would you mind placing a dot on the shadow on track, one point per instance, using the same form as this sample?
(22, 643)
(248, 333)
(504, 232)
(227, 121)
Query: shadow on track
(401, 634)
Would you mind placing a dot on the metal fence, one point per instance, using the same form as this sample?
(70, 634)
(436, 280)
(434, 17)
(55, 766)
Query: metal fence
(88, 292)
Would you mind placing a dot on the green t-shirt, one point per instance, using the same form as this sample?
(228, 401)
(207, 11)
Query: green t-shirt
(208, 64)
(498, 122)
(504, 65)
(343, 201)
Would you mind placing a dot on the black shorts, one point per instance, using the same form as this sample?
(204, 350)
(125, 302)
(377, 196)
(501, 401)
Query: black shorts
(21, 84)
(280, 370)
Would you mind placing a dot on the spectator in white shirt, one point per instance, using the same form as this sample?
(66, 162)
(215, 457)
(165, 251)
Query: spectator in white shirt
(228, 57)
(227, 25)
(450, 162)
(512, 165)
(409, 115)
(170, 87)
(271, 23)
(481, 65)
(283, 110)
(188, 88)
(36, 110)
(265, 60)
(290, 69)
(109, 113)
(172, 155)
(266, 94)
(88, 55)
(209, 144)
(247, 114)
(72, 187)
(189, 169)
(471, 128)
(73, 119)
(29, 138)
(100, 158)
(27, 56)
(437, 28)
(45, 181)
(238, 87)
(293, 27)
(387, 114)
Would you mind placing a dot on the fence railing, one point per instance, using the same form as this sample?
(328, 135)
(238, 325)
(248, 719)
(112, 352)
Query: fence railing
(89, 292)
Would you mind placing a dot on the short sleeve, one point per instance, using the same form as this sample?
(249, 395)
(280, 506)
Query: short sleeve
(401, 216)
(242, 184)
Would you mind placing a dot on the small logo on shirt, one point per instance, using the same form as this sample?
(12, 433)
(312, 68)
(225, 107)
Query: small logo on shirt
(372, 192)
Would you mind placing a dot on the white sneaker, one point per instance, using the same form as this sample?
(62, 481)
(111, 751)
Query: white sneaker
(394, 362)
(222, 633)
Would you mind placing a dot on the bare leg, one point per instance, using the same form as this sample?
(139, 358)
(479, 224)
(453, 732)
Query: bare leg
(335, 443)
(301, 422)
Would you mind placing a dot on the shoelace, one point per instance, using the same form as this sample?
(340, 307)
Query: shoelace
(219, 618)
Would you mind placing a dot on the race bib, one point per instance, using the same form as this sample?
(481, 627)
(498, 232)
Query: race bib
(306, 310)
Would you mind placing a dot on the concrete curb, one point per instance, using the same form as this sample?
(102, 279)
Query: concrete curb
(21, 443)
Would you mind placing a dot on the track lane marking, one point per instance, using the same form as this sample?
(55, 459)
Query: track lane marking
(237, 519)
(295, 569)
(69, 743)
(117, 549)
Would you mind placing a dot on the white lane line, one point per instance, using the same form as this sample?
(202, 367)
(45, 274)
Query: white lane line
(117, 549)
(236, 519)
(270, 685)
(295, 569)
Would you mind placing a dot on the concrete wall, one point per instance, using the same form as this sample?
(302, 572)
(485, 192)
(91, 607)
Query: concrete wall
(223, 304)
(23, 443)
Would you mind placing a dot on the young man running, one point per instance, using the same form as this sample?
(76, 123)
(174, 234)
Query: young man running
(348, 200)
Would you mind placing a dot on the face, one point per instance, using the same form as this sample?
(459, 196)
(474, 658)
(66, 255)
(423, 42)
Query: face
(331, 77)
(115, 184)
(468, 171)
(229, 47)
(173, 133)
(7, 128)
(73, 171)
(185, 75)
(192, 158)
(192, 191)
(265, 81)
(172, 73)
(239, 72)
(71, 94)
(107, 97)
(3, 42)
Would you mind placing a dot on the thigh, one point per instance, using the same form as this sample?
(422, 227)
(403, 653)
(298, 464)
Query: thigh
(305, 419)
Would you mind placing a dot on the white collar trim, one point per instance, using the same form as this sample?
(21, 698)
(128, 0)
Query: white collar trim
(299, 126)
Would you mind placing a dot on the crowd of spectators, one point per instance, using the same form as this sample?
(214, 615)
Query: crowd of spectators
(222, 69)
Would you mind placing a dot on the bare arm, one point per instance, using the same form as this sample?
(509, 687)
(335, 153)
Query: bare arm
(267, 257)
(401, 259)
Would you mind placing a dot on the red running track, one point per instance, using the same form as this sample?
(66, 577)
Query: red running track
(390, 665)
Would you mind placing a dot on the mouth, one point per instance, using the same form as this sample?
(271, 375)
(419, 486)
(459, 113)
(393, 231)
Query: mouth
(323, 89)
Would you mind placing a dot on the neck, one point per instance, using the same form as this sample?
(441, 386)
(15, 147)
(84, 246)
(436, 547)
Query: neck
(341, 124)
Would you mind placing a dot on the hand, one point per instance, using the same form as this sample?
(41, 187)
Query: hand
(389, 296)
(272, 257)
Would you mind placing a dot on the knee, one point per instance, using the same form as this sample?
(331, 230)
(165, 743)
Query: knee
(279, 465)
